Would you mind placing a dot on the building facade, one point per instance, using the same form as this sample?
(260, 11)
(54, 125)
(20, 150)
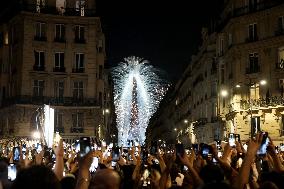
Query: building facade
(235, 82)
(250, 60)
(52, 52)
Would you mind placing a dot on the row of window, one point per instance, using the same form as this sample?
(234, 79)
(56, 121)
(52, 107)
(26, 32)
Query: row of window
(78, 89)
(60, 32)
(77, 122)
(252, 35)
(59, 88)
(59, 58)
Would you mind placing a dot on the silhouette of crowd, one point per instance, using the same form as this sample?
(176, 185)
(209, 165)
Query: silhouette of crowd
(256, 163)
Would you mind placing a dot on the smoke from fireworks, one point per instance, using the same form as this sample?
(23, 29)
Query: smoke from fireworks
(138, 90)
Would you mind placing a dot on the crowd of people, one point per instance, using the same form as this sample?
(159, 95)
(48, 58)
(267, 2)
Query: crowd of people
(89, 163)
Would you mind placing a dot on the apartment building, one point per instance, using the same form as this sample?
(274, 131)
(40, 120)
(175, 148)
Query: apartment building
(52, 53)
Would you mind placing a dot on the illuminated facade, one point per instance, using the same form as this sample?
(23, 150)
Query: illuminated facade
(52, 52)
(235, 82)
(250, 59)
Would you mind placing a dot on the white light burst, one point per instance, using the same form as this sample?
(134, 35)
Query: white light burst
(138, 90)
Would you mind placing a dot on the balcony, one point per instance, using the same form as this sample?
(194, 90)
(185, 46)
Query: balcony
(60, 39)
(79, 40)
(38, 68)
(259, 103)
(54, 101)
(59, 69)
(53, 10)
(253, 70)
(77, 130)
(280, 65)
(252, 39)
(78, 70)
(40, 38)
(59, 129)
(280, 31)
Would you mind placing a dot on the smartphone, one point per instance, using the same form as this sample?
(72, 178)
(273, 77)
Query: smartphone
(94, 165)
(265, 140)
(232, 140)
(85, 145)
(12, 172)
(195, 148)
(205, 151)
(113, 163)
(144, 155)
(180, 149)
(154, 148)
(185, 168)
(281, 147)
(115, 153)
(38, 148)
(16, 154)
(238, 138)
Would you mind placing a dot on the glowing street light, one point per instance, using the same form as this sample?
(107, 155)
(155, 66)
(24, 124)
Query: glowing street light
(107, 111)
(238, 86)
(224, 93)
(175, 129)
(262, 82)
(185, 121)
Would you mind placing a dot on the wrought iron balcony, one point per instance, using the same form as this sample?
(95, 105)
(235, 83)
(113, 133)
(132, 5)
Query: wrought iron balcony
(258, 103)
(60, 39)
(59, 129)
(253, 70)
(79, 40)
(53, 10)
(40, 100)
(77, 130)
(38, 68)
(59, 69)
(78, 70)
(40, 38)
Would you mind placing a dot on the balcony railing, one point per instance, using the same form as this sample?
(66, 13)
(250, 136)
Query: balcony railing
(252, 39)
(77, 130)
(78, 70)
(247, 10)
(40, 38)
(59, 69)
(253, 70)
(79, 40)
(59, 129)
(53, 10)
(40, 100)
(60, 39)
(38, 68)
(258, 103)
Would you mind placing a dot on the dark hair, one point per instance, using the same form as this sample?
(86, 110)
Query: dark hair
(35, 177)
(68, 183)
(212, 173)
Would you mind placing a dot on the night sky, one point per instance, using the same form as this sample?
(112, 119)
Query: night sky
(166, 33)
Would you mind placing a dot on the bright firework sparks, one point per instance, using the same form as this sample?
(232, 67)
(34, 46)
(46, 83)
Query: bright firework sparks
(138, 90)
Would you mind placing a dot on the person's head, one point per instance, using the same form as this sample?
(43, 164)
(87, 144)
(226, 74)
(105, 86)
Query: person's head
(105, 179)
(4, 168)
(35, 177)
(68, 182)
(212, 173)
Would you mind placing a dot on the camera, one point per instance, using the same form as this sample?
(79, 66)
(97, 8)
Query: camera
(154, 148)
(232, 140)
(265, 140)
(16, 154)
(115, 153)
(85, 145)
(94, 165)
(205, 151)
(12, 172)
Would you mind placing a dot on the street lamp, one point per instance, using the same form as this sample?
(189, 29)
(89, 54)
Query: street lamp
(224, 93)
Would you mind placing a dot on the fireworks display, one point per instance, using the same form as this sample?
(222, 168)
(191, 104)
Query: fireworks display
(138, 90)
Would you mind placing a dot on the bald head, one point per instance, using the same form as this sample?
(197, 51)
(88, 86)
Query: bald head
(105, 179)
